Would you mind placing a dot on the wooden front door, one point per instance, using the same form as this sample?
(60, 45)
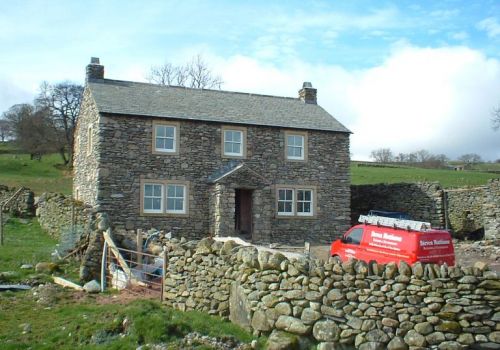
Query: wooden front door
(243, 211)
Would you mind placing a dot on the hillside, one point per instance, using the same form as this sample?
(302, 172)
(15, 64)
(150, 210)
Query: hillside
(371, 173)
(49, 175)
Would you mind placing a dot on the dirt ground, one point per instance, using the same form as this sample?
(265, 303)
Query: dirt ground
(466, 253)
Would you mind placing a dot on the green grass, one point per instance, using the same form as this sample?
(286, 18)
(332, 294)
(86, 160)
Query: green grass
(47, 175)
(70, 324)
(76, 318)
(447, 178)
(24, 243)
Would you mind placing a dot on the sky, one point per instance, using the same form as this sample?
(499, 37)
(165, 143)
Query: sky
(404, 75)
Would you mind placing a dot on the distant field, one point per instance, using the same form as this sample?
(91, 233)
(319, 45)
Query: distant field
(361, 175)
(47, 175)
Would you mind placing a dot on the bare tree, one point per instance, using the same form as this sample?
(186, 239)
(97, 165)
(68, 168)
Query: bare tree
(422, 155)
(470, 158)
(495, 120)
(33, 129)
(195, 74)
(5, 129)
(62, 101)
(382, 155)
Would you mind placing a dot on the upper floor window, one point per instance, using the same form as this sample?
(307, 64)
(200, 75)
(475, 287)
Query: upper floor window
(295, 145)
(234, 142)
(165, 137)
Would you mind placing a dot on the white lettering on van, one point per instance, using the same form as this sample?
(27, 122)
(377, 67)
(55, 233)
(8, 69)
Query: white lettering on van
(435, 242)
(386, 236)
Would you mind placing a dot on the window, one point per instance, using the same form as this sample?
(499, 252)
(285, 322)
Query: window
(153, 194)
(164, 197)
(295, 201)
(355, 236)
(285, 201)
(165, 138)
(295, 146)
(233, 142)
(175, 198)
(304, 202)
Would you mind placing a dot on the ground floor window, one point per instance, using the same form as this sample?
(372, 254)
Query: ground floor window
(164, 197)
(295, 201)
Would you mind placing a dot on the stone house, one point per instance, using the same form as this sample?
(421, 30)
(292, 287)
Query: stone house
(208, 162)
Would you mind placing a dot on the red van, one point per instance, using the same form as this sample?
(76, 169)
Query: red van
(392, 240)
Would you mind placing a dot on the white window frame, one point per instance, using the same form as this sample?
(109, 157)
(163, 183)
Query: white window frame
(296, 134)
(303, 201)
(285, 213)
(152, 211)
(243, 141)
(164, 211)
(175, 139)
(175, 197)
(295, 201)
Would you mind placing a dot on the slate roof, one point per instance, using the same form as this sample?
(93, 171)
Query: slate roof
(141, 99)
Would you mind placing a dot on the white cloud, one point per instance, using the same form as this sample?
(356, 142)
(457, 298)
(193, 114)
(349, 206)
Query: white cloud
(491, 26)
(462, 35)
(419, 98)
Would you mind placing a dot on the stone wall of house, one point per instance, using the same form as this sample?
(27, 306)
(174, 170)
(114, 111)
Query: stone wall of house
(422, 201)
(58, 214)
(126, 158)
(86, 157)
(368, 306)
(23, 205)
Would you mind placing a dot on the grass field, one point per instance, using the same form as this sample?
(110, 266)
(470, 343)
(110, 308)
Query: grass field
(361, 175)
(79, 320)
(46, 175)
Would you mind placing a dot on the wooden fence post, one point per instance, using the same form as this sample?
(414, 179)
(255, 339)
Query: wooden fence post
(1, 225)
(139, 249)
(164, 271)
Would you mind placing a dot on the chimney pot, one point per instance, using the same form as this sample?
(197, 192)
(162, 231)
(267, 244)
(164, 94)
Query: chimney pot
(308, 94)
(94, 69)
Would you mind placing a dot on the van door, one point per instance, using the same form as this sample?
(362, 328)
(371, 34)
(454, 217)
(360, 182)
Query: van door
(352, 244)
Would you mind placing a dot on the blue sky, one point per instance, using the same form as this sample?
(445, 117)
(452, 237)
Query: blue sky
(407, 75)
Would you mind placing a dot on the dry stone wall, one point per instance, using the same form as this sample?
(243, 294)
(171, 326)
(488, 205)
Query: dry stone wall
(23, 205)
(464, 210)
(368, 306)
(58, 214)
(422, 201)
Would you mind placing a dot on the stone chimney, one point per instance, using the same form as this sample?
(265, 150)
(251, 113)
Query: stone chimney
(308, 94)
(94, 69)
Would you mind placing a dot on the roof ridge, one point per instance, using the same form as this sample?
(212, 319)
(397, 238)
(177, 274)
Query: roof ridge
(191, 89)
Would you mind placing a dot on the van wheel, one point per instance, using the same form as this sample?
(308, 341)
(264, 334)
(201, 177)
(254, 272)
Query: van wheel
(336, 259)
